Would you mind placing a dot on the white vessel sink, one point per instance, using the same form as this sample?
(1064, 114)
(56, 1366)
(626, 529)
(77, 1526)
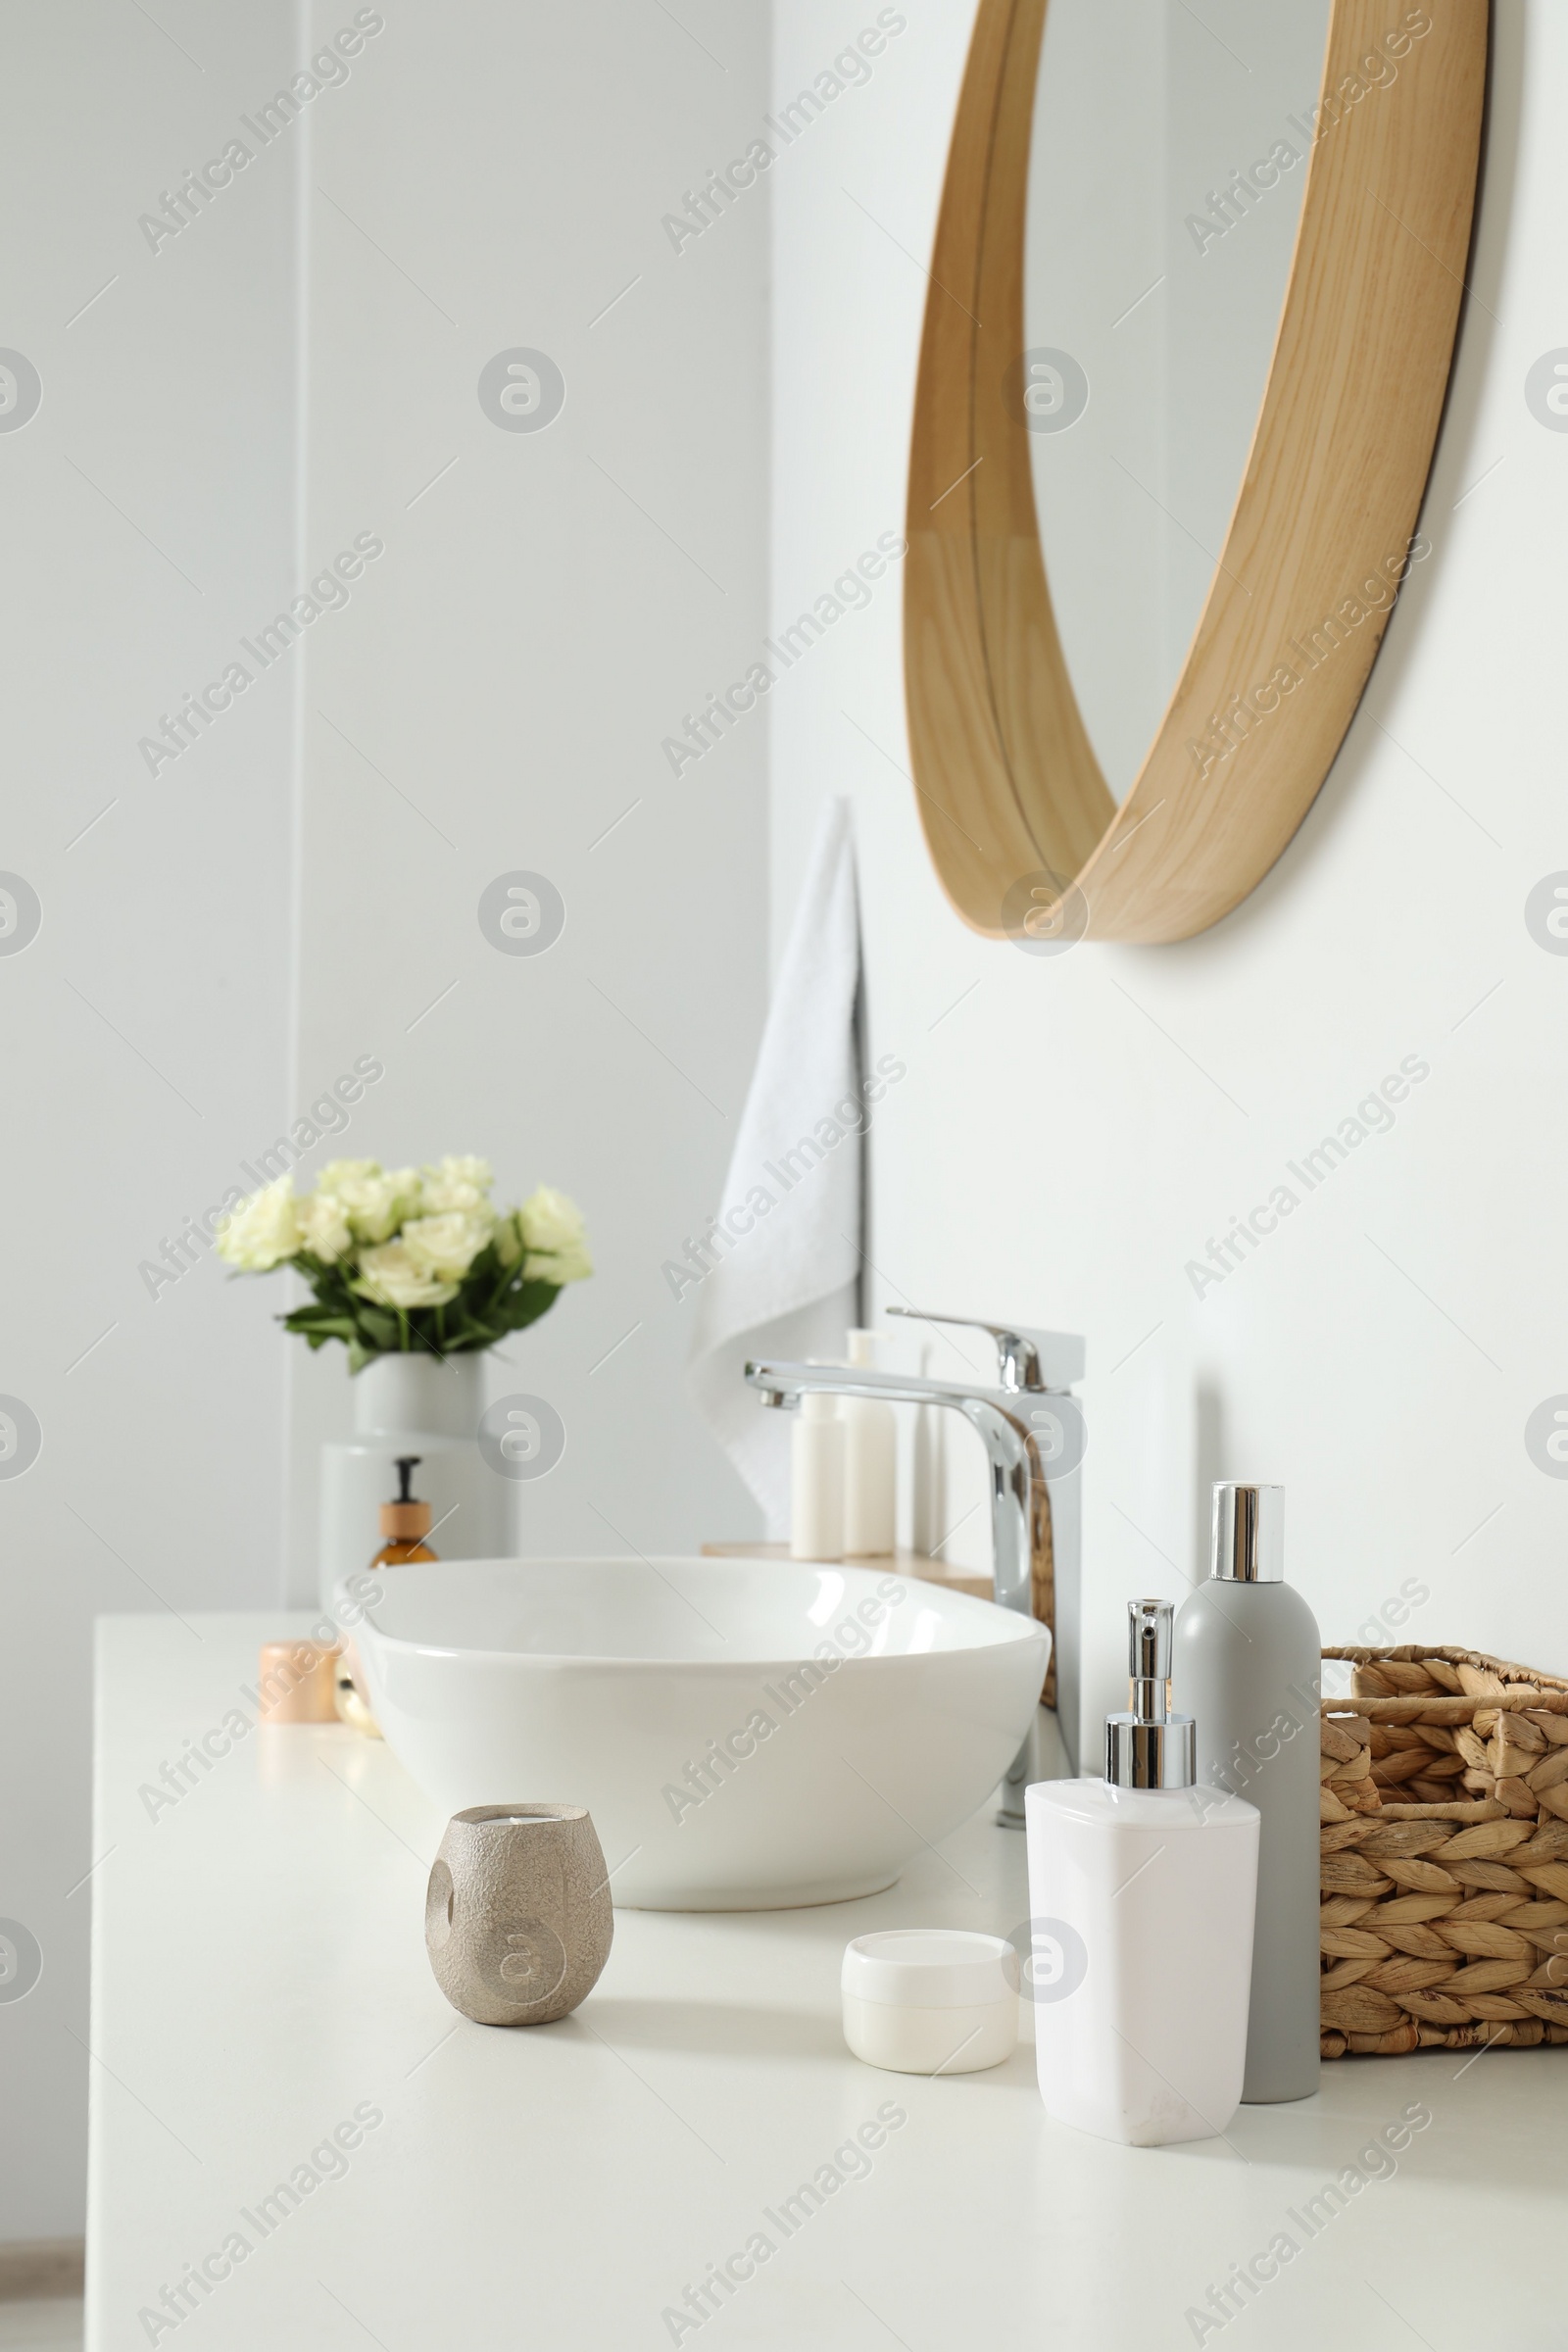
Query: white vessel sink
(745, 1734)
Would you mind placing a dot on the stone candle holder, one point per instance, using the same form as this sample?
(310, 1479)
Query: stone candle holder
(518, 1917)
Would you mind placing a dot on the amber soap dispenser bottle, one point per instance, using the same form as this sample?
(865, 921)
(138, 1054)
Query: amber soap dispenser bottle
(405, 1523)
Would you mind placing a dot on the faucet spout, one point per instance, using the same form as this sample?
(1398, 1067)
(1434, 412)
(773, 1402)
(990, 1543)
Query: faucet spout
(1020, 1514)
(1022, 1565)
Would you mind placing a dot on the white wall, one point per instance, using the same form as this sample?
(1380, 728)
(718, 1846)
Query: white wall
(542, 618)
(235, 931)
(147, 517)
(1073, 1131)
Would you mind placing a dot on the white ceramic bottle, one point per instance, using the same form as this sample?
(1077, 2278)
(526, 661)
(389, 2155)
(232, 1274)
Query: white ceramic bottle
(1247, 1666)
(816, 1479)
(1142, 1887)
(870, 1464)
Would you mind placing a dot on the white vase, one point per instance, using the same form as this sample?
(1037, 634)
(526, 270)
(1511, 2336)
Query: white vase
(412, 1405)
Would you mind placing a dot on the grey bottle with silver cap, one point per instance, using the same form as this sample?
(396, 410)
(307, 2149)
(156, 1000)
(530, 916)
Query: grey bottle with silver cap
(1247, 1667)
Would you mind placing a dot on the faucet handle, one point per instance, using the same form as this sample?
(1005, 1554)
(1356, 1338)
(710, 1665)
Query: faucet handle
(1027, 1361)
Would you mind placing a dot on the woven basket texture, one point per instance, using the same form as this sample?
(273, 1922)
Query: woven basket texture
(1444, 1854)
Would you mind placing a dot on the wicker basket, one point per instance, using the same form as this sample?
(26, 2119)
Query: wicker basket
(1444, 1854)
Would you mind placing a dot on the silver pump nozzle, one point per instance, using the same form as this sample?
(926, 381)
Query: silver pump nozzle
(1150, 1747)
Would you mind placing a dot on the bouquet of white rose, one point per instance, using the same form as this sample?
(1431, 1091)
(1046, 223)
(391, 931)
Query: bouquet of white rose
(401, 1258)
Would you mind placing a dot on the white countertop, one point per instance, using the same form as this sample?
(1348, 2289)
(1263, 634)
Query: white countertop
(259, 1977)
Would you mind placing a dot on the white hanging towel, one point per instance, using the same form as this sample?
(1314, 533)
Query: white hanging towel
(778, 1277)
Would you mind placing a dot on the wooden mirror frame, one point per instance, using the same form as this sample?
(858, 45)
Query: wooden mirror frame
(1010, 790)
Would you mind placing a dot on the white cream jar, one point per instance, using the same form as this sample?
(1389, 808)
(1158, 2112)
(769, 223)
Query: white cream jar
(930, 2000)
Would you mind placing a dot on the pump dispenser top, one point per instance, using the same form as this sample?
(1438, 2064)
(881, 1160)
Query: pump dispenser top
(1150, 1747)
(406, 1520)
(405, 1523)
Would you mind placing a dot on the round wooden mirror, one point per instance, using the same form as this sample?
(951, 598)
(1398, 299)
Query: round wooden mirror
(1049, 813)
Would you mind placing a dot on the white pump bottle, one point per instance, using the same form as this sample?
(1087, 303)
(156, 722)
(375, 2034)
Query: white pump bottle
(1142, 1887)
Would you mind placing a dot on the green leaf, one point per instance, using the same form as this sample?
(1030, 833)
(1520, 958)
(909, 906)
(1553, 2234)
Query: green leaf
(319, 1318)
(527, 1303)
(470, 1335)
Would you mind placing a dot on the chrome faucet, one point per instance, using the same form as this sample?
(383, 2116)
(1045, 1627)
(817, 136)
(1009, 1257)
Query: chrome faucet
(1033, 1447)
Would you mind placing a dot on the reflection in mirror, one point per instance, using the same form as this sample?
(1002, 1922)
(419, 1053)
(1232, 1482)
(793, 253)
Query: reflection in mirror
(1165, 180)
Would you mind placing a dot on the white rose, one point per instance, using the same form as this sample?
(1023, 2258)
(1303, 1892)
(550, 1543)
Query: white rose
(555, 1236)
(389, 1276)
(571, 1264)
(376, 1205)
(338, 1172)
(446, 1246)
(549, 1220)
(457, 1183)
(324, 1227)
(263, 1231)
